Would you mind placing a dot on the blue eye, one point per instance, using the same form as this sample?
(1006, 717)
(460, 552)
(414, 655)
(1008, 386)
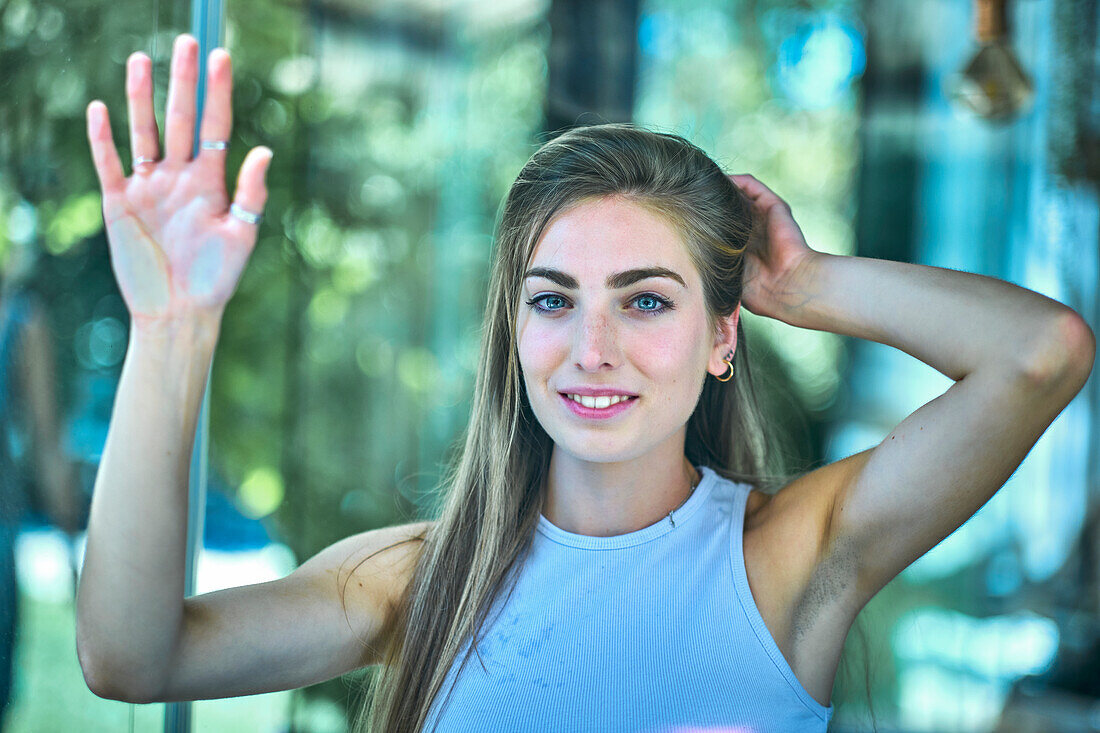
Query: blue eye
(661, 304)
(649, 303)
(539, 299)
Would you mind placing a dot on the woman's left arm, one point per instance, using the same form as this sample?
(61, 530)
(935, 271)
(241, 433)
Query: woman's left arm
(956, 322)
(1017, 358)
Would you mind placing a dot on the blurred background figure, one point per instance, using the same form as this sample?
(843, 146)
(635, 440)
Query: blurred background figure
(36, 476)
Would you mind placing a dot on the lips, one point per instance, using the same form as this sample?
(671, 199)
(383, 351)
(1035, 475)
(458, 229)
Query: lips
(597, 391)
(601, 407)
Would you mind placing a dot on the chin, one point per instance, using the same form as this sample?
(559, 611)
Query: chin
(604, 449)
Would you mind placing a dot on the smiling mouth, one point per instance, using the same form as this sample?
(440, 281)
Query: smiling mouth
(599, 403)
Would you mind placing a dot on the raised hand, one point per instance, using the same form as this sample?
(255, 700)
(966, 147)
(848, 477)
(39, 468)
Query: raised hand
(177, 248)
(775, 255)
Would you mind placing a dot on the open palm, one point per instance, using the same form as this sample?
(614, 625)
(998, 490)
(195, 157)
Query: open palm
(175, 247)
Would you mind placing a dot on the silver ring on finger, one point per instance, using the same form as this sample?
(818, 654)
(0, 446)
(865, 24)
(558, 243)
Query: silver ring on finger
(140, 161)
(245, 215)
(214, 144)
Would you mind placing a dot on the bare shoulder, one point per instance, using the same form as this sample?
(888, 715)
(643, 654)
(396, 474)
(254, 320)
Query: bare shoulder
(368, 573)
(379, 561)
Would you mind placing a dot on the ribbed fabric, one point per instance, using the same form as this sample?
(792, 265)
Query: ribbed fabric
(653, 631)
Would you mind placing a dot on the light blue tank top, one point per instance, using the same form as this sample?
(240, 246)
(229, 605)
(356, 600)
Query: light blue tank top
(653, 631)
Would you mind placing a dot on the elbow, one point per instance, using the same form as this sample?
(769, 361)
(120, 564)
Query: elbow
(117, 662)
(1067, 354)
(103, 683)
(111, 680)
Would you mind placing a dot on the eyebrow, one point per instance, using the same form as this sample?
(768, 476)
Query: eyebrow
(614, 281)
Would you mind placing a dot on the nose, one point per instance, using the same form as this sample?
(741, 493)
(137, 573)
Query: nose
(595, 344)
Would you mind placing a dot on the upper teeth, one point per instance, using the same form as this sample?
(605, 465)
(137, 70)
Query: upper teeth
(598, 402)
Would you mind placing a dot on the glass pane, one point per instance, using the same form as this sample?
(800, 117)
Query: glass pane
(347, 355)
(64, 333)
(393, 149)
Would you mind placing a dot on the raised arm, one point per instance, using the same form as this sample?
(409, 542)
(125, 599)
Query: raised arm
(1017, 358)
(178, 252)
(138, 639)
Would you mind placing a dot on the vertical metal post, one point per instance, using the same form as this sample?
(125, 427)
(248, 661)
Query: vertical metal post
(208, 27)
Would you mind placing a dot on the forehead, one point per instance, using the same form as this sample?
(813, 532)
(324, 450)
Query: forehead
(610, 234)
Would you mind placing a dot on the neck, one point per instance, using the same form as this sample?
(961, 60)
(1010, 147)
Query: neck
(607, 499)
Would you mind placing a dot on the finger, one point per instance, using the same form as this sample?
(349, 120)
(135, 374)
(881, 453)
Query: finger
(108, 167)
(757, 191)
(251, 193)
(144, 136)
(217, 116)
(748, 184)
(179, 119)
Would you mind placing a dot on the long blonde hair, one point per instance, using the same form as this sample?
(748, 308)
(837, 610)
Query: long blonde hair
(492, 491)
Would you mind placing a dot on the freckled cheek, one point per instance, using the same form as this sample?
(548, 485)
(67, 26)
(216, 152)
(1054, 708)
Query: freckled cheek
(667, 360)
(540, 349)
(664, 354)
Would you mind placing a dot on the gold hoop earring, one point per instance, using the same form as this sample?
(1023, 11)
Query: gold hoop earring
(730, 365)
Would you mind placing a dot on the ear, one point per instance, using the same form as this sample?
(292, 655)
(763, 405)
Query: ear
(725, 343)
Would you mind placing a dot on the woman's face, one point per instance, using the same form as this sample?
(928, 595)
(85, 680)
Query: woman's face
(613, 304)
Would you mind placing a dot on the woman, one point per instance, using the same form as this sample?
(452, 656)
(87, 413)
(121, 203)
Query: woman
(618, 562)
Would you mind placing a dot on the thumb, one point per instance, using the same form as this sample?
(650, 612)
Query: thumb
(251, 193)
